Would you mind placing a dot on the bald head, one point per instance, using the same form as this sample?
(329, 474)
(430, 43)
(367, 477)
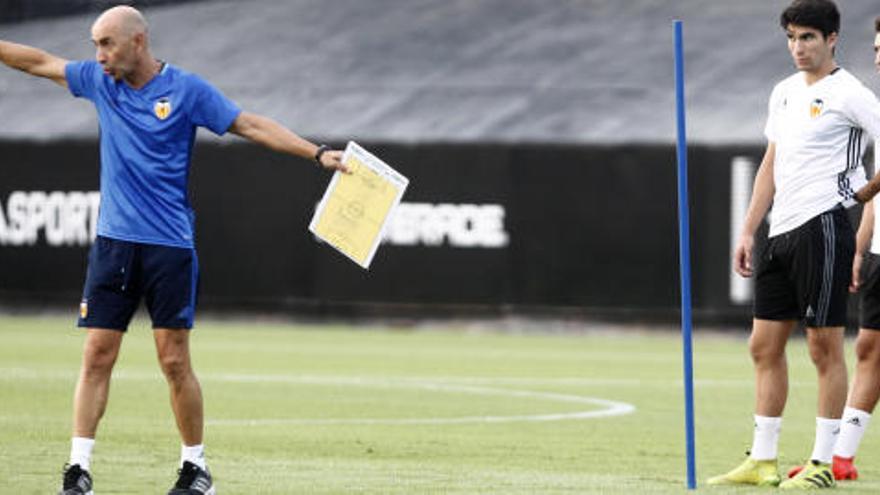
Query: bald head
(122, 44)
(125, 21)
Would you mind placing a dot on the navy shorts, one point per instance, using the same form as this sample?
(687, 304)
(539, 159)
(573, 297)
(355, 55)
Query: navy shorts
(120, 273)
(805, 273)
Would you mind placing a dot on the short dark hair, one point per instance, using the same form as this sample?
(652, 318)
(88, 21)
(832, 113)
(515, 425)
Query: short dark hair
(877, 24)
(817, 14)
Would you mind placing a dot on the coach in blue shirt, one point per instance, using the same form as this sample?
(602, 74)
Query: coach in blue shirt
(148, 112)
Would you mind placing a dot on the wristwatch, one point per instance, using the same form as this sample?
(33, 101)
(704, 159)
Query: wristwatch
(320, 151)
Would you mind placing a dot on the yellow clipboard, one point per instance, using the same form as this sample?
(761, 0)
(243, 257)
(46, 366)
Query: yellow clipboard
(356, 207)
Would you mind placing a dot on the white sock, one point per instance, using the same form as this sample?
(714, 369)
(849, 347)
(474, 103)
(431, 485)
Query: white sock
(853, 425)
(827, 431)
(81, 452)
(194, 454)
(766, 438)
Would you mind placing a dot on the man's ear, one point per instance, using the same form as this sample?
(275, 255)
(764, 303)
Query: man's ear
(140, 41)
(832, 39)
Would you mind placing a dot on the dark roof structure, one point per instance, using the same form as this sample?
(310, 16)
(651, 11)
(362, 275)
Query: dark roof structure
(567, 71)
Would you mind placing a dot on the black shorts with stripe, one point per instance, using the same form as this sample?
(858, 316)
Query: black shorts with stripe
(869, 293)
(804, 274)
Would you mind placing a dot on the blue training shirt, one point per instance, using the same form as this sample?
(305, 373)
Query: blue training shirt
(147, 137)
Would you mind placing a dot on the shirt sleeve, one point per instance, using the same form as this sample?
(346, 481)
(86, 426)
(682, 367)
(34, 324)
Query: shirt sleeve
(772, 109)
(864, 109)
(81, 78)
(211, 108)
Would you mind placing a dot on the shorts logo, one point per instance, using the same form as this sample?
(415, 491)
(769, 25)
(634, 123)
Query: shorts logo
(816, 108)
(84, 308)
(162, 108)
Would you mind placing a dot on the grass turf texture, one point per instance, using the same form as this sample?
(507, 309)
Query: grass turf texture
(298, 376)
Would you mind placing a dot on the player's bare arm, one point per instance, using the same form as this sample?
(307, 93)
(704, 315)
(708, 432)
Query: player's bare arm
(869, 190)
(762, 196)
(33, 61)
(265, 131)
(863, 242)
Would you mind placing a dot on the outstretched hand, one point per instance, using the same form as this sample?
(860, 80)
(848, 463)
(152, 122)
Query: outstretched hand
(332, 160)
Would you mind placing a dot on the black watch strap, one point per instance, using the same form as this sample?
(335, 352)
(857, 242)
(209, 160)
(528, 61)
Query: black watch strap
(321, 150)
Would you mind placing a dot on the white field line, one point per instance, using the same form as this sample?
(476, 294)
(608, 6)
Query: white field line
(606, 407)
(484, 386)
(18, 373)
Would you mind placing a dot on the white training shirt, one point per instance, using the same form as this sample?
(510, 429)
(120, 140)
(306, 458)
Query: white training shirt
(819, 131)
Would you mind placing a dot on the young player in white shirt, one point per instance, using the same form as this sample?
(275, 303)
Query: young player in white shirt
(817, 129)
(865, 389)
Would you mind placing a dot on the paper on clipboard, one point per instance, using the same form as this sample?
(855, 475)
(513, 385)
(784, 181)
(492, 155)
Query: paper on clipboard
(356, 207)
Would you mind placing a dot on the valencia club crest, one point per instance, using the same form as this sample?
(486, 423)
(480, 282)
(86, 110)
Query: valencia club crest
(816, 108)
(162, 108)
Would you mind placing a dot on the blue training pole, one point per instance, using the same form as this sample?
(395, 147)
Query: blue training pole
(684, 249)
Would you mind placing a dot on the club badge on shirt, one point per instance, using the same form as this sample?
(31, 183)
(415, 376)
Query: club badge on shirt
(816, 108)
(162, 108)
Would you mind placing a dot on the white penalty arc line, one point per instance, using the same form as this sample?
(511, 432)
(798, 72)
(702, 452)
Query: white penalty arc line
(18, 373)
(608, 407)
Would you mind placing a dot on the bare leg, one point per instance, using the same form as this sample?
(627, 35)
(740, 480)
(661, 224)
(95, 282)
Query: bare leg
(826, 350)
(866, 383)
(172, 347)
(862, 400)
(93, 387)
(767, 348)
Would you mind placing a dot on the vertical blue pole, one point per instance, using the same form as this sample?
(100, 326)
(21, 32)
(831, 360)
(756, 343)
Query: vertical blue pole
(684, 249)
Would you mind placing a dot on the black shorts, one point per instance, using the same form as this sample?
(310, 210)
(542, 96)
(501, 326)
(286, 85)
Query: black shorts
(121, 272)
(869, 293)
(805, 273)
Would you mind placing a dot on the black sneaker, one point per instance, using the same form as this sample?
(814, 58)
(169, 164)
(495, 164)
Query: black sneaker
(76, 481)
(193, 480)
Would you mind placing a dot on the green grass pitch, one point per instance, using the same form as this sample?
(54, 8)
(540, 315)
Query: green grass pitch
(342, 410)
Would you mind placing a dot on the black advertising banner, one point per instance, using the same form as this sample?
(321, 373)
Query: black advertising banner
(483, 228)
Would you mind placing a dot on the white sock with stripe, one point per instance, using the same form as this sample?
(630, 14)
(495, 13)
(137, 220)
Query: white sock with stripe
(827, 431)
(765, 441)
(853, 425)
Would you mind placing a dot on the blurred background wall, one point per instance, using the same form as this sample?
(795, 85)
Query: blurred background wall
(538, 138)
